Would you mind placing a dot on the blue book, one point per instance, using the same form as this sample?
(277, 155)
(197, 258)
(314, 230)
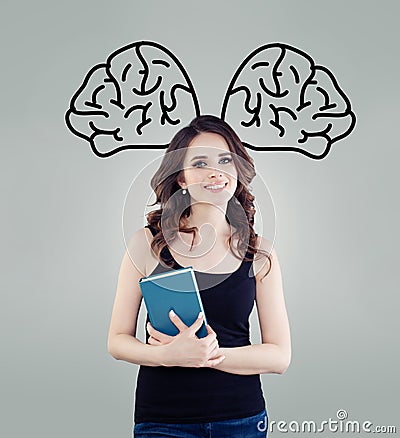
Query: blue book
(177, 290)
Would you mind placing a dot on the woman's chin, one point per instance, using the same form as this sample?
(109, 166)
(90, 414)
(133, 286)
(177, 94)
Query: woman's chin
(211, 200)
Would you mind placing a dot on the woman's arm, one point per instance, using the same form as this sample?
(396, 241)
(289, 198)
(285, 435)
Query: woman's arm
(186, 350)
(274, 354)
(122, 343)
(130, 349)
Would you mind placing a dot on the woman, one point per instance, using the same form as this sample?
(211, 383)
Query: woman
(186, 386)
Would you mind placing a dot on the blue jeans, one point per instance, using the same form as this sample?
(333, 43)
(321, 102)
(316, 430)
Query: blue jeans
(249, 427)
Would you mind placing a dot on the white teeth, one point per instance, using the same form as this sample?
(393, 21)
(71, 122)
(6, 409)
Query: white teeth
(215, 187)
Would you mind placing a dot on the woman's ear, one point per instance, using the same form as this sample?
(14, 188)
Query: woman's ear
(181, 182)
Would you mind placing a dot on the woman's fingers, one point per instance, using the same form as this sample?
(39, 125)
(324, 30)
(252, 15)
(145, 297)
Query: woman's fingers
(197, 324)
(163, 337)
(214, 362)
(154, 341)
(177, 321)
(209, 329)
(213, 348)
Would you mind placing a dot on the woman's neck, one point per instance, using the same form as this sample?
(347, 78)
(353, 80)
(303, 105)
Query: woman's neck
(211, 218)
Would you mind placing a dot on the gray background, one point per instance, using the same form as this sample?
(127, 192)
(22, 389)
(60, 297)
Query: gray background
(62, 206)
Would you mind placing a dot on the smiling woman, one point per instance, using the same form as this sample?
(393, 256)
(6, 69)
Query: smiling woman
(207, 152)
(188, 386)
(210, 177)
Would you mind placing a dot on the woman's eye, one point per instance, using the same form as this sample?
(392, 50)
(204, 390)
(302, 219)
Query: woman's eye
(197, 164)
(229, 159)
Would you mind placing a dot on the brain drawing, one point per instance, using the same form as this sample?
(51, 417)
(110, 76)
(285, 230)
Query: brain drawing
(138, 98)
(279, 99)
(279, 96)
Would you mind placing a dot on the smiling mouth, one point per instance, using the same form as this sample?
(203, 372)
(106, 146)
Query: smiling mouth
(216, 187)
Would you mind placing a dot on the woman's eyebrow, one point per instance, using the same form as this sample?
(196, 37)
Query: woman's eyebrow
(205, 156)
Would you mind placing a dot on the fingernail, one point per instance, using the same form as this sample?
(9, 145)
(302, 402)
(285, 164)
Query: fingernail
(200, 315)
(172, 313)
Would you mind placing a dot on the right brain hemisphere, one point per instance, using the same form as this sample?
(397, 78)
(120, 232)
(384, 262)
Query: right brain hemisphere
(279, 96)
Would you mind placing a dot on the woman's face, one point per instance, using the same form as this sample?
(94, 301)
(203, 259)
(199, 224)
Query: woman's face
(209, 163)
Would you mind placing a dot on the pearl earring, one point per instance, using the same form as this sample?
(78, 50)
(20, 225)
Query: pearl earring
(184, 192)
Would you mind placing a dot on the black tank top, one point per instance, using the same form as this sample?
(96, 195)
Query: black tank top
(195, 395)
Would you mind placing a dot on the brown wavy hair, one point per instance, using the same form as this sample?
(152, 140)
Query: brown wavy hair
(165, 184)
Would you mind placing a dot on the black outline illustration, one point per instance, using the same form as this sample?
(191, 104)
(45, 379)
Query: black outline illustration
(160, 92)
(303, 103)
(96, 109)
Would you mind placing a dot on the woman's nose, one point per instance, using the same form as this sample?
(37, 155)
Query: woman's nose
(216, 172)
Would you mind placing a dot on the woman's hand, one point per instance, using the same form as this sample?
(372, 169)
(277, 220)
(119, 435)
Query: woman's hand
(156, 337)
(186, 349)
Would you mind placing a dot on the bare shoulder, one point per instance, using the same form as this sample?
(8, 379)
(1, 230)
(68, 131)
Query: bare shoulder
(139, 250)
(128, 296)
(261, 263)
